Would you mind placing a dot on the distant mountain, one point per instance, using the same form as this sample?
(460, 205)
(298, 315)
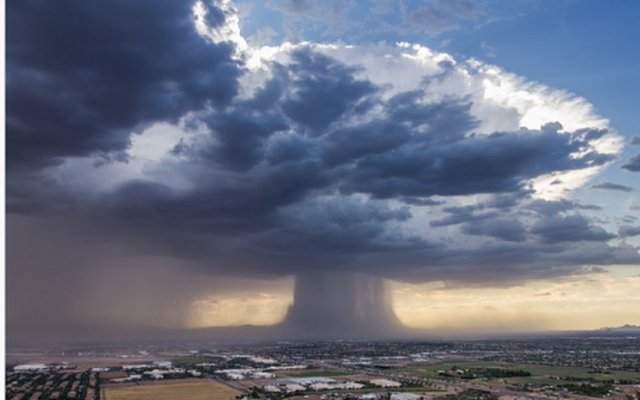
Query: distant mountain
(622, 329)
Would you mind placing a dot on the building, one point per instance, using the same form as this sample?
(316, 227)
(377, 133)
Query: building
(294, 387)
(405, 396)
(385, 383)
(272, 389)
(30, 368)
(263, 375)
(163, 364)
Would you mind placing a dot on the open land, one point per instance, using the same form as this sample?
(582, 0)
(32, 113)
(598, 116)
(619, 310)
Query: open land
(543, 368)
(171, 391)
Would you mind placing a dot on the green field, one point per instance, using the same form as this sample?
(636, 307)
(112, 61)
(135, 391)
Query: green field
(192, 360)
(540, 374)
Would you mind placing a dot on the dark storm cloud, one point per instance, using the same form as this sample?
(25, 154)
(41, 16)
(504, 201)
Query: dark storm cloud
(506, 202)
(325, 90)
(230, 205)
(635, 140)
(446, 121)
(416, 201)
(342, 228)
(506, 217)
(569, 228)
(349, 144)
(612, 186)
(633, 164)
(551, 208)
(501, 228)
(269, 95)
(82, 75)
(317, 169)
(288, 148)
(459, 215)
(498, 263)
(495, 163)
(242, 138)
(317, 130)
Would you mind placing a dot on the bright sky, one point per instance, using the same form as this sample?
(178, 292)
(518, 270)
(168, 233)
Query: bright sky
(593, 301)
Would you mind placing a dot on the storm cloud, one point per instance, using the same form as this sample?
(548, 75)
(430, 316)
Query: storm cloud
(311, 161)
(612, 186)
(81, 77)
(633, 164)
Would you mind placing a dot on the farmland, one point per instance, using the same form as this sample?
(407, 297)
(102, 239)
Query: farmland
(540, 374)
(191, 390)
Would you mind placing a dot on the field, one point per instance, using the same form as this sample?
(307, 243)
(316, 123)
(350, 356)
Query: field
(171, 391)
(192, 360)
(107, 376)
(540, 374)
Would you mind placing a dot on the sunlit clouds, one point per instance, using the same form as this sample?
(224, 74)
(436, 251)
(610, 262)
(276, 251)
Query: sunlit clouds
(244, 308)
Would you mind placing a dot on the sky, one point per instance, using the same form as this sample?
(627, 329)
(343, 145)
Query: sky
(462, 165)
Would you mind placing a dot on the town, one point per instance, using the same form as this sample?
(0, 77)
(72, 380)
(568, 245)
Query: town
(568, 367)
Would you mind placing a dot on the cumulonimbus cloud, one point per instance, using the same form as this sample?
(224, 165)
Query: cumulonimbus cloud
(392, 160)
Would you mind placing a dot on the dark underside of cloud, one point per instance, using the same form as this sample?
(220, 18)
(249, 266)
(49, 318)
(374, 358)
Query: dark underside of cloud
(82, 76)
(612, 186)
(305, 189)
(318, 170)
(633, 164)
